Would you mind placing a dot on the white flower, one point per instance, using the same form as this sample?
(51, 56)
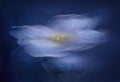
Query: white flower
(63, 35)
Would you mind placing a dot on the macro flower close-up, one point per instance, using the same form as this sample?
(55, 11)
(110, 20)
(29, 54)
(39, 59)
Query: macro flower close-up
(62, 35)
(60, 41)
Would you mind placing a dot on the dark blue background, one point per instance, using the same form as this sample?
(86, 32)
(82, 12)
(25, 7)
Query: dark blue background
(29, 12)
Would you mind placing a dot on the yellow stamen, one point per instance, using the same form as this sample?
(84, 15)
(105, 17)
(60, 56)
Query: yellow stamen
(58, 38)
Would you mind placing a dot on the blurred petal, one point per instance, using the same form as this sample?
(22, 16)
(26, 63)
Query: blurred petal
(73, 22)
(31, 32)
(42, 48)
(64, 64)
(85, 39)
(34, 40)
(78, 32)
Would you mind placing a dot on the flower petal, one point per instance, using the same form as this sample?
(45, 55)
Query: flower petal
(31, 32)
(42, 48)
(34, 40)
(78, 31)
(73, 22)
(85, 39)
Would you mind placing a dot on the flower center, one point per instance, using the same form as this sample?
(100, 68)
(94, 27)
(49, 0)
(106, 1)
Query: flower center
(58, 38)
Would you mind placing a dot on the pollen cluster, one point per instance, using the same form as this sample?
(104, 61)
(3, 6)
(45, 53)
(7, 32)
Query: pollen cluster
(58, 38)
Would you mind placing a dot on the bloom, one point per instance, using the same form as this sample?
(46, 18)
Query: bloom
(64, 34)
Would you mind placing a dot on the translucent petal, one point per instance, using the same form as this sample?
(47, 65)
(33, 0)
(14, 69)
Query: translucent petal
(85, 39)
(31, 32)
(35, 41)
(41, 48)
(73, 22)
(39, 41)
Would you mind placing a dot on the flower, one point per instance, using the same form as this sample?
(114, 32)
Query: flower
(63, 35)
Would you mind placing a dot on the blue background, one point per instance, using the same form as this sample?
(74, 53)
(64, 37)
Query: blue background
(18, 68)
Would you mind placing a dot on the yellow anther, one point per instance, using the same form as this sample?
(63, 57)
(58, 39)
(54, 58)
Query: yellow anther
(62, 37)
(58, 38)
